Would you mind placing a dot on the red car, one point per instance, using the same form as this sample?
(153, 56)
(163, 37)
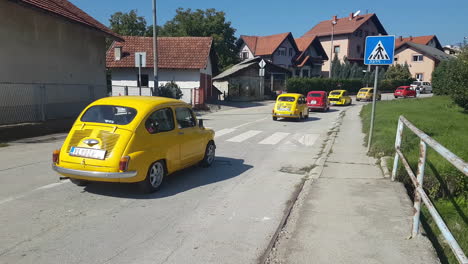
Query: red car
(404, 91)
(318, 100)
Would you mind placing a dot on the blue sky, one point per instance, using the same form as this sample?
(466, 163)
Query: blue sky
(447, 20)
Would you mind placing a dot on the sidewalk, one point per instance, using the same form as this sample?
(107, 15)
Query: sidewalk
(351, 213)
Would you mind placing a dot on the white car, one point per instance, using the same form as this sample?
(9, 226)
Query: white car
(424, 87)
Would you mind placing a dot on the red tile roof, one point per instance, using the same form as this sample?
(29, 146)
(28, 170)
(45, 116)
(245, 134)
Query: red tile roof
(303, 43)
(173, 52)
(344, 25)
(68, 11)
(423, 40)
(266, 45)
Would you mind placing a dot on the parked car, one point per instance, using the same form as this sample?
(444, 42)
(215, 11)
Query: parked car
(424, 87)
(318, 100)
(367, 94)
(339, 97)
(291, 105)
(404, 91)
(134, 139)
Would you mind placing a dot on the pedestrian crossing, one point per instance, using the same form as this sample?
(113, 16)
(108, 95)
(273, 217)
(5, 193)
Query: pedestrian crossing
(234, 135)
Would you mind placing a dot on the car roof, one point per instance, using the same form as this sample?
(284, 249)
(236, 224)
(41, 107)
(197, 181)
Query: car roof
(367, 88)
(138, 101)
(322, 92)
(290, 94)
(404, 86)
(338, 91)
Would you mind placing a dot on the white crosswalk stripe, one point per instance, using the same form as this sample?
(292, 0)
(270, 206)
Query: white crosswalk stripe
(274, 139)
(223, 132)
(244, 136)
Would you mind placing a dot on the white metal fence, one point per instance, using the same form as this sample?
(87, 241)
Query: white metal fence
(31, 102)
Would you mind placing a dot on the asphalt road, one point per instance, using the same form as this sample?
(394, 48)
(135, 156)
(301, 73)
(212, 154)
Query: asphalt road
(223, 214)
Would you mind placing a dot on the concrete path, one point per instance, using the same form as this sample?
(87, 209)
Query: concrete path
(350, 213)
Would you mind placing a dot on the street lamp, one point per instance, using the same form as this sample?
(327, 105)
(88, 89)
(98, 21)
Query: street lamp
(155, 52)
(331, 49)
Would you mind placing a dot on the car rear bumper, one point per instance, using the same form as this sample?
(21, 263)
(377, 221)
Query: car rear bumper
(316, 106)
(286, 115)
(94, 174)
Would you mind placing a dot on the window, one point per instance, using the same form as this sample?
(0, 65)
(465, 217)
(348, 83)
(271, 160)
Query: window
(185, 117)
(419, 76)
(281, 51)
(360, 32)
(144, 80)
(109, 114)
(358, 48)
(418, 57)
(286, 99)
(336, 49)
(160, 121)
(356, 33)
(245, 55)
(290, 52)
(396, 58)
(305, 73)
(298, 72)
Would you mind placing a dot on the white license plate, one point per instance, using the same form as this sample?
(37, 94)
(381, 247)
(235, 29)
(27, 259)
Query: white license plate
(88, 153)
(332, 102)
(284, 109)
(313, 102)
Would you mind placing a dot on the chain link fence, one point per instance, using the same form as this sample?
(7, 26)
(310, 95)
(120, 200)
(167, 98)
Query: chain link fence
(30, 102)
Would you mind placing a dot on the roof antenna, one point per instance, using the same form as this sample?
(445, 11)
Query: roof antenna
(367, 11)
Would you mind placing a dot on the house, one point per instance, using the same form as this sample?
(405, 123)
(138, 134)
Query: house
(431, 41)
(279, 49)
(311, 57)
(349, 36)
(452, 49)
(421, 59)
(242, 82)
(52, 60)
(188, 61)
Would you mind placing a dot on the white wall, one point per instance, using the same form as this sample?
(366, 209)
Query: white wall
(245, 48)
(209, 68)
(284, 61)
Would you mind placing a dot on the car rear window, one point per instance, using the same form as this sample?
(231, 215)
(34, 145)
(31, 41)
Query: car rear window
(109, 114)
(417, 83)
(365, 90)
(335, 93)
(287, 99)
(314, 95)
(400, 88)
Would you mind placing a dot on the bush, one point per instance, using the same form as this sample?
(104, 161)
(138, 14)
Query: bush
(391, 85)
(170, 90)
(305, 85)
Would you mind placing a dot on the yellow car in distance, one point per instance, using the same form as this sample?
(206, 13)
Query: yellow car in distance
(130, 139)
(366, 94)
(291, 105)
(339, 97)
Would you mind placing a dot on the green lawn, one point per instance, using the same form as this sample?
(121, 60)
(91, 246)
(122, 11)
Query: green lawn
(448, 124)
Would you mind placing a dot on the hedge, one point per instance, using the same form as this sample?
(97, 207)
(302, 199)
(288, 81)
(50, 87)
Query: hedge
(305, 85)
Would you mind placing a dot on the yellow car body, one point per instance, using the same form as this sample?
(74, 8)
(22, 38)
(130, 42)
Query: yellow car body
(139, 131)
(339, 97)
(366, 94)
(290, 105)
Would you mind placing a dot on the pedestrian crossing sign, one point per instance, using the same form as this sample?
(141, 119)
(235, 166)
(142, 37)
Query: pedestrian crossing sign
(379, 50)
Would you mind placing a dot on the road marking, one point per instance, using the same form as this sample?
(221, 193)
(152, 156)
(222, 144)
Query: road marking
(223, 132)
(48, 186)
(244, 136)
(274, 139)
(308, 139)
(248, 123)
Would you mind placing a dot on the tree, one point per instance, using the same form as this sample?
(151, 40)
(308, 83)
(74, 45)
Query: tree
(335, 67)
(170, 90)
(398, 72)
(205, 23)
(128, 24)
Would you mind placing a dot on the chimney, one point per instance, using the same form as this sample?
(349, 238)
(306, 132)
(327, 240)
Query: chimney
(411, 37)
(351, 16)
(401, 38)
(118, 53)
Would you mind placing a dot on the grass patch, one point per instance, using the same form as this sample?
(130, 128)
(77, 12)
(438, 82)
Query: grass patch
(2, 145)
(444, 121)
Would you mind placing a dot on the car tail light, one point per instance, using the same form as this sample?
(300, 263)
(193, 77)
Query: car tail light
(55, 156)
(123, 164)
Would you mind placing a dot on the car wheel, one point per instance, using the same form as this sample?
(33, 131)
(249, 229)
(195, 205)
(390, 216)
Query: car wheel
(275, 118)
(358, 99)
(423, 91)
(79, 182)
(395, 96)
(154, 178)
(300, 118)
(210, 154)
(307, 116)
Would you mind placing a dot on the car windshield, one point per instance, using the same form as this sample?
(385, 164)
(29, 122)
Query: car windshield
(109, 114)
(314, 95)
(286, 99)
(335, 93)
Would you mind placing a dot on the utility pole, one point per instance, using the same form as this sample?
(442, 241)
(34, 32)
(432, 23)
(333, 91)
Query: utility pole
(155, 52)
(331, 48)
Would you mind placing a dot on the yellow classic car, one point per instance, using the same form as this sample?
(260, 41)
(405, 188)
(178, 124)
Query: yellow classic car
(134, 139)
(291, 105)
(367, 93)
(339, 97)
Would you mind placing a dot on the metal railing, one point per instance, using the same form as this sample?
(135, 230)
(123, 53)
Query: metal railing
(417, 180)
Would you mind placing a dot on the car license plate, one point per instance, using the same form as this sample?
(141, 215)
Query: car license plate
(313, 102)
(284, 109)
(88, 153)
(332, 102)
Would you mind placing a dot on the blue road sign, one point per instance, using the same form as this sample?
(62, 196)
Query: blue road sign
(379, 50)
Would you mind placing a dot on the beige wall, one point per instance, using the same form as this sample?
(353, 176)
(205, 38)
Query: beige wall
(340, 40)
(41, 48)
(426, 67)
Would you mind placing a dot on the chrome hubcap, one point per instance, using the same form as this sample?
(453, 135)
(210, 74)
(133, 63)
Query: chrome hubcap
(156, 174)
(210, 153)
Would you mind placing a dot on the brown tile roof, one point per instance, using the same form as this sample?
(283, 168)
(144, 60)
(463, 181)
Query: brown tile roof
(344, 26)
(68, 11)
(423, 40)
(305, 42)
(266, 45)
(174, 52)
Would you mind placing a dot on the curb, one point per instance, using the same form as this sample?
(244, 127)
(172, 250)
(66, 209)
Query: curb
(384, 167)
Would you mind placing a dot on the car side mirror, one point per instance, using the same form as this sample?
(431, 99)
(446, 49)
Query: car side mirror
(200, 123)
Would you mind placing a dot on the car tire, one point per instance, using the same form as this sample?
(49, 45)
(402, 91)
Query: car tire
(307, 116)
(395, 97)
(358, 99)
(210, 154)
(154, 178)
(79, 182)
(423, 91)
(275, 118)
(300, 118)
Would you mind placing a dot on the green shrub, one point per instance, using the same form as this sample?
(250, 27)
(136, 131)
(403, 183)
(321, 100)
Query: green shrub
(171, 90)
(391, 85)
(305, 85)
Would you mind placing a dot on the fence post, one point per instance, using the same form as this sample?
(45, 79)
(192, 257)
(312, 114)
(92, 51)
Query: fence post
(42, 90)
(399, 135)
(417, 196)
(126, 90)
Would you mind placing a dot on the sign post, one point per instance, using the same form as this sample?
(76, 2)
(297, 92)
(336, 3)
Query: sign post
(379, 50)
(261, 73)
(140, 61)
